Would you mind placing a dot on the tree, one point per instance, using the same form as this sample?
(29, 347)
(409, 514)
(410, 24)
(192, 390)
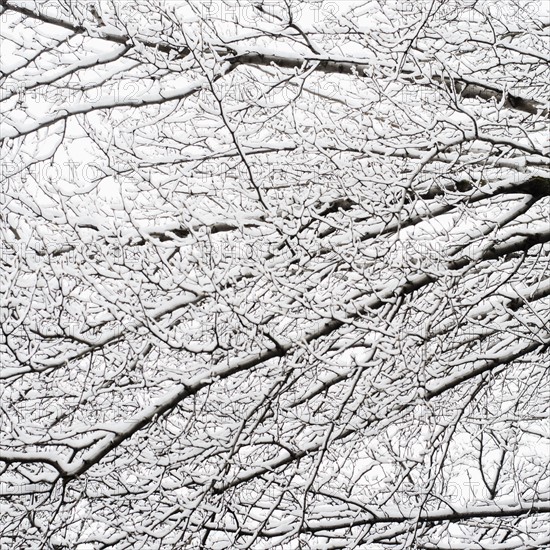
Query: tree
(276, 275)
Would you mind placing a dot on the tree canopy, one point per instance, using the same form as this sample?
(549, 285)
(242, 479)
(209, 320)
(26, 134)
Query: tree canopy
(275, 274)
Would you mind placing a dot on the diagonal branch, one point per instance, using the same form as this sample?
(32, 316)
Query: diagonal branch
(322, 63)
